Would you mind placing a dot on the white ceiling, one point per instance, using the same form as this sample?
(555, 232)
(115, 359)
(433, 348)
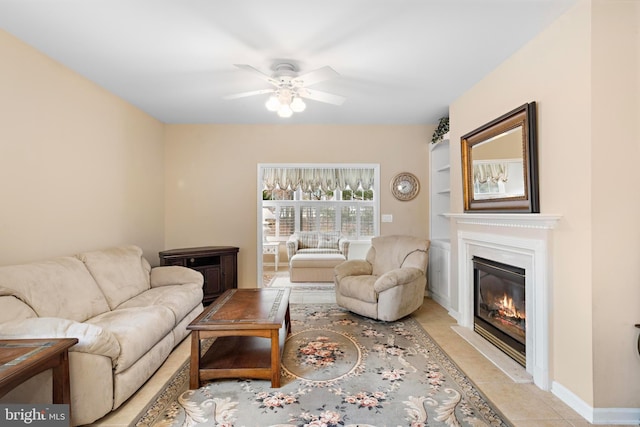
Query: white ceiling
(400, 61)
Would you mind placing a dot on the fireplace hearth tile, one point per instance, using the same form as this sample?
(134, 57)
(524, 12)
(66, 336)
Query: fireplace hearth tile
(510, 367)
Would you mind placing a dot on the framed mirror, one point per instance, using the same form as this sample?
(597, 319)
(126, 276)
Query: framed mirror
(500, 164)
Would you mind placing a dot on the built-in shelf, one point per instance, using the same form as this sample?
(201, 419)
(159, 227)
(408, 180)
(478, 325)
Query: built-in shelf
(439, 178)
(439, 224)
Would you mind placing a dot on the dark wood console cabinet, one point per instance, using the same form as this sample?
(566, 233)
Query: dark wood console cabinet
(218, 265)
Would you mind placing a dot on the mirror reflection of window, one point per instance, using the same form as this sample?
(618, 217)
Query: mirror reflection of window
(498, 170)
(501, 179)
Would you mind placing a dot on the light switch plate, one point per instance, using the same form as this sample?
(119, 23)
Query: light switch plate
(387, 218)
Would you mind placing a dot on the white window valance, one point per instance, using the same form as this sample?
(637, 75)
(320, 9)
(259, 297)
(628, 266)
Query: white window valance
(490, 172)
(313, 179)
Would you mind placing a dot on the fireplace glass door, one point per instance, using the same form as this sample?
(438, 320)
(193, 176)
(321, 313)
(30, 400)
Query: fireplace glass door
(499, 306)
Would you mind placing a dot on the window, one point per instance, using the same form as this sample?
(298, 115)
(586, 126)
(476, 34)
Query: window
(333, 197)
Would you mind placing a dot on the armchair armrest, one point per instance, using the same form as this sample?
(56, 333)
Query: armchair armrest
(92, 339)
(292, 246)
(354, 267)
(397, 277)
(343, 245)
(174, 275)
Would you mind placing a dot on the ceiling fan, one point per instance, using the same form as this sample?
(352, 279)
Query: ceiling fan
(289, 88)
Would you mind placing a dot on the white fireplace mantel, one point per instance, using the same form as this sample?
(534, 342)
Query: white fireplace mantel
(523, 220)
(495, 240)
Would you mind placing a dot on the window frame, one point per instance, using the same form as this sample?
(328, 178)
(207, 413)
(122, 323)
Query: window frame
(338, 203)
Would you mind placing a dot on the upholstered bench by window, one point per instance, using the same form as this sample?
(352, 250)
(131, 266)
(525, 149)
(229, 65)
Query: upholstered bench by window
(313, 267)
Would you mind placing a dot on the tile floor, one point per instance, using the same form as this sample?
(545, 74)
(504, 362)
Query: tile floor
(525, 405)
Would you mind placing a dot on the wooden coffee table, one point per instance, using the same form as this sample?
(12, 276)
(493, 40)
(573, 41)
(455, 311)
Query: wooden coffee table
(21, 359)
(250, 327)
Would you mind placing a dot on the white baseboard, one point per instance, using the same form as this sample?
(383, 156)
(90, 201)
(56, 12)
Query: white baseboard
(619, 416)
(443, 301)
(455, 315)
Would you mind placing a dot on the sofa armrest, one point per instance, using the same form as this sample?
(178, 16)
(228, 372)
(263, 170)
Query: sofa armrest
(12, 309)
(292, 246)
(354, 267)
(92, 339)
(174, 275)
(397, 277)
(343, 245)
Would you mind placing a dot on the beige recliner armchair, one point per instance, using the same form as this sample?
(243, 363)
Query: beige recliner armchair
(390, 283)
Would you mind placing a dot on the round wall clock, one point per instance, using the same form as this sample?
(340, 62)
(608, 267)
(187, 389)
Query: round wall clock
(405, 186)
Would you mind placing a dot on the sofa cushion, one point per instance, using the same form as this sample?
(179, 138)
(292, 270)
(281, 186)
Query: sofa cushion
(120, 272)
(307, 239)
(180, 299)
(92, 339)
(12, 309)
(60, 287)
(174, 275)
(136, 329)
(328, 240)
(318, 251)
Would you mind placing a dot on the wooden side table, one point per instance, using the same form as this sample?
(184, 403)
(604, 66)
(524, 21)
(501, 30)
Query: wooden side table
(21, 359)
(272, 248)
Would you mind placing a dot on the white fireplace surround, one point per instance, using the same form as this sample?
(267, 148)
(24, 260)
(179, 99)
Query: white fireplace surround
(496, 240)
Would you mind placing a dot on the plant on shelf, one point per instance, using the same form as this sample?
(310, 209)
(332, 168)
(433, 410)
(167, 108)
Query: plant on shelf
(441, 130)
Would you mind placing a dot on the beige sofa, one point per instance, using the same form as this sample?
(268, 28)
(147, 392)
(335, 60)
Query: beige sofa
(390, 283)
(126, 315)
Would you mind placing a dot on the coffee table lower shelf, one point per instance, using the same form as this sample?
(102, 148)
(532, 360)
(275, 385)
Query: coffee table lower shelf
(242, 357)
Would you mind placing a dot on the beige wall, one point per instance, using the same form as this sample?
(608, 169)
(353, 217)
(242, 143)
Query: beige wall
(80, 168)
(615, 112)
(586, 88)
(211, 177)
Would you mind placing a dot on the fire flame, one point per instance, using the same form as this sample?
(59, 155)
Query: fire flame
(508, 309)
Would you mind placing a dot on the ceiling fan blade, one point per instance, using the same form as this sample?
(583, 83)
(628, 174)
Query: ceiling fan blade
(251, 93)
(316, 76)
(320, 96)
(257, 73)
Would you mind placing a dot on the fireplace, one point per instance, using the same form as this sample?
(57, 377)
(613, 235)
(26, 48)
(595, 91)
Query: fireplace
(499, 309)
(524, 241)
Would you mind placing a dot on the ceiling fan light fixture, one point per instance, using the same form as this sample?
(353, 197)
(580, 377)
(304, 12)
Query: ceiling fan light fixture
(272, 103)
(290, 88)
(298, 105)
(285, 111)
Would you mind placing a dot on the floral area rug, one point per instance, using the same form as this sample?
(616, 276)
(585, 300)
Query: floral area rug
(343, 370)
(282, 280)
